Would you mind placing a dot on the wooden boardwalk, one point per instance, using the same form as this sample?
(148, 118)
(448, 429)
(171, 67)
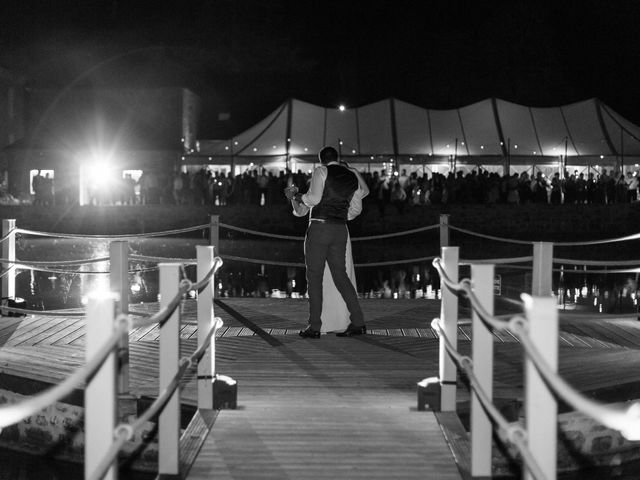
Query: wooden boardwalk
(329, 408)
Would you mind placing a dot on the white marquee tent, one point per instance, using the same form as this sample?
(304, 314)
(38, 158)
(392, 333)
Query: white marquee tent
(489, 132)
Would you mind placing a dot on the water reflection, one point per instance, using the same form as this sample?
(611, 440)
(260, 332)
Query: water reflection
(576, 288)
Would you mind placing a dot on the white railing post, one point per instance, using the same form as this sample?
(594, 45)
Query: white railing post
(448, 371)
(9, 253)
(100, 393)
(119, 283)
(482, 350)
(214, 232)
(542, 275)
(169, 422)
(207, 364)
(541, 409)
(444, 230)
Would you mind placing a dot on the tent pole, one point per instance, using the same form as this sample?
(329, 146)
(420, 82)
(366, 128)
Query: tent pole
(508, 155)
(621, 151)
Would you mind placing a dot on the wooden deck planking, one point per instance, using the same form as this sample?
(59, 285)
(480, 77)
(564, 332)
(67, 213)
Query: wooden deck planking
(299, 376)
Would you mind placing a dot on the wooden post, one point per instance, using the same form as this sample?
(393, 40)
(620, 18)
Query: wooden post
(482, 349)
(448, 371)
(169, 422)
(207, 364)
(541, 409)
(214, 232)
(444, 230)
(100, 393)
(541, 278)
(9, 253)
(119, 283)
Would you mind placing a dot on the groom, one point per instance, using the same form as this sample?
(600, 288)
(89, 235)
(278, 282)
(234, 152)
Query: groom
(334, 197)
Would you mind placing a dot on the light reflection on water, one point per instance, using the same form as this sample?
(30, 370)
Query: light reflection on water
(53, 290)
(611, 293)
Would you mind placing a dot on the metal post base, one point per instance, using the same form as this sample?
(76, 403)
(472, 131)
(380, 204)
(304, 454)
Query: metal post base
(225, 392)
(429, 393)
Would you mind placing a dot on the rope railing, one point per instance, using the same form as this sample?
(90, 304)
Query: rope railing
(626, 238)
(302, 265)
(497, 261)
(55, 263)
(622, 418)
(125, 431)
(10, 414)
(163, 233)
(464, 286)
(158, 259)
(491, 237)
(597, 263)
(511, 432)
(354, 239)
(625, 419)
(164, 313)
(14, 413)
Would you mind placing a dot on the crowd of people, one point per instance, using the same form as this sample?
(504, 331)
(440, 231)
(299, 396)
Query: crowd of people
(400, 190)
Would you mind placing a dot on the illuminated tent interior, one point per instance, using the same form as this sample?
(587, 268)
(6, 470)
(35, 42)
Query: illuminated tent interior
(491, 132)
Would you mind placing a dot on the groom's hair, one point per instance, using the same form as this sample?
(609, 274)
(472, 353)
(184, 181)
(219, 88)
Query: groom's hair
(328, 154)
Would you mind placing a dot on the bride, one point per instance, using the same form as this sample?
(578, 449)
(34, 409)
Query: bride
(335, 315)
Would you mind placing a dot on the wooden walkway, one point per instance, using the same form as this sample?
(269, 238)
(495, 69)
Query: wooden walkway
(329, 408)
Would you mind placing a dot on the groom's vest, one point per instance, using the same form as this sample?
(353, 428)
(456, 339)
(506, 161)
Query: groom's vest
(339, 188)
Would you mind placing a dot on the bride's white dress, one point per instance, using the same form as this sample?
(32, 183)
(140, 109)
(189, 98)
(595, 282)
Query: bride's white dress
(335, 316)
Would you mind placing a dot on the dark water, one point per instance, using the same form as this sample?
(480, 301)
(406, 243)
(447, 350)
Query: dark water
(22, 466)
(576, 287)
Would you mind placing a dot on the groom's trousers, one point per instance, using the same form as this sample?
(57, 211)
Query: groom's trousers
(326, 241)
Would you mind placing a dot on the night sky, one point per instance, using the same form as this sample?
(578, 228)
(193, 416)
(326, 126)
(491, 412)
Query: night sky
(247, 57)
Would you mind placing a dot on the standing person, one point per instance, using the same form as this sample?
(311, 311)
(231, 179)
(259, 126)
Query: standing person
(335, 196)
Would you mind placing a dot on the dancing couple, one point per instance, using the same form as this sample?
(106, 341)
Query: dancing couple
(334, 197)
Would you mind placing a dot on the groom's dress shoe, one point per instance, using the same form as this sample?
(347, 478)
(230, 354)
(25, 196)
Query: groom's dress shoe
(309, 333)
(353, 330)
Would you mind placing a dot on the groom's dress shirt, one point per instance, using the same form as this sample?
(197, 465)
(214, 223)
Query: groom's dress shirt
(330, 193)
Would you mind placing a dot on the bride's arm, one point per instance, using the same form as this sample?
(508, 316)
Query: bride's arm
(361, 182)
(299, 208)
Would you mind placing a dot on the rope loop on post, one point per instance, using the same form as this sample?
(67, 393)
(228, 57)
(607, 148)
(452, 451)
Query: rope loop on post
(124, 431)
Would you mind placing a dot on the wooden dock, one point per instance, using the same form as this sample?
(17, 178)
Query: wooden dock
(329, 408)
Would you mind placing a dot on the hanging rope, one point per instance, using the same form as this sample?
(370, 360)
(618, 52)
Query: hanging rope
(491, 237)
(355, 239)
(164, 233)
(125, 432)
(512, 432)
